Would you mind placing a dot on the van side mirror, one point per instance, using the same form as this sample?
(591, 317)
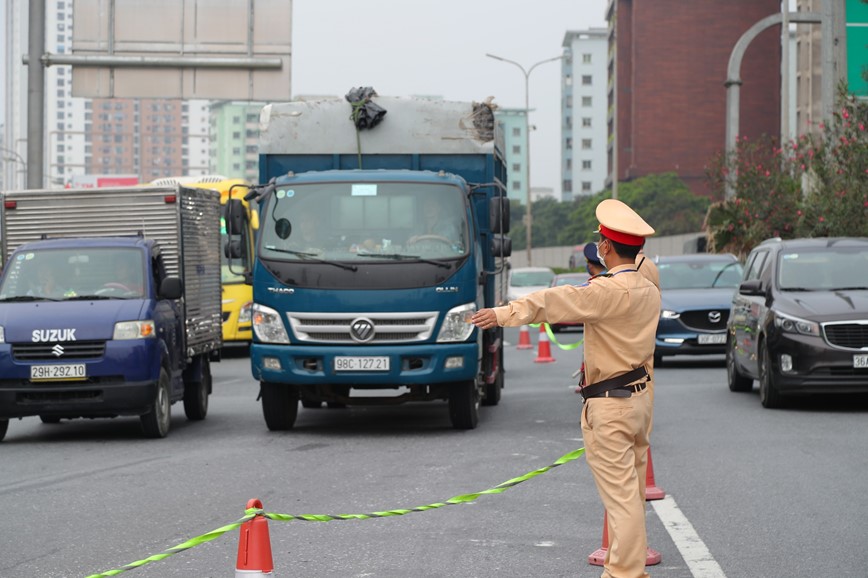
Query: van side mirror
(752, 287)
(171, 288)
(234, 216)
(501, 246)
(498, 215)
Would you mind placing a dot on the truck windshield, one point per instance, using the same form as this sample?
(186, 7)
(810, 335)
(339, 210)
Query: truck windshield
(75, 273)
(365, 222)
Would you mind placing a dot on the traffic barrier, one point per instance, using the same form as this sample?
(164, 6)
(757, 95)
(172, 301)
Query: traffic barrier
(524, 338)
(598, 556)
(652, 492)
(254, 546)
(250, 513)
(544, 350)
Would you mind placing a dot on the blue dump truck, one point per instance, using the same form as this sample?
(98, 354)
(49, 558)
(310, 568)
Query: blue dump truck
(109, 303)
(375, 246)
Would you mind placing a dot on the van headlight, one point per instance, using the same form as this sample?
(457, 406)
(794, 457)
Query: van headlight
(456, 324)
(791, 324)
(268, 325)
(2, 335)
(134, 330)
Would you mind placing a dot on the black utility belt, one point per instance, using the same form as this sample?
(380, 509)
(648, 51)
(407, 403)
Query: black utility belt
(618, 386)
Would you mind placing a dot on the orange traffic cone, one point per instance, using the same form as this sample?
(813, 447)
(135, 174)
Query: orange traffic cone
(524, 338)
(598, 556)
(254, 546)
(544, 351)
(652, 492)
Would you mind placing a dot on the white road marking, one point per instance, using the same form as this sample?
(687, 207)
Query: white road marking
(699, 560)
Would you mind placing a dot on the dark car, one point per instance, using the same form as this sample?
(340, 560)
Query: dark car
(696, 292)
(799, 321)
(568, 279)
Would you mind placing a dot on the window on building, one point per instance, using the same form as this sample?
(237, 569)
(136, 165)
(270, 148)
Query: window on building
(568, 164)
(586, 144)
(516, 131)
(568, 185)
(568, 143)
(586, 58)
(586, 121)
(516, 149)
(236, 135)
(586, 186)
(586, 80)
(587, 101)
(568, 122)
(236, 120)
(586, 165)
(516, 167)
(568, 80)
(516, 185)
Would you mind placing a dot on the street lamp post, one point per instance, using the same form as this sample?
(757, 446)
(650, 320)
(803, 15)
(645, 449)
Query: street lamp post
(526, 73)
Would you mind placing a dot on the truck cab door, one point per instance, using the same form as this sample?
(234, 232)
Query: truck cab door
(167, 316)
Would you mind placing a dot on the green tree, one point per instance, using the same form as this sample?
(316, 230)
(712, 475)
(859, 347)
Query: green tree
(814, 186)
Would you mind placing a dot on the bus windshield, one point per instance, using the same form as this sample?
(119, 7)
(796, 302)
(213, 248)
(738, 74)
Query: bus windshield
(339, 221)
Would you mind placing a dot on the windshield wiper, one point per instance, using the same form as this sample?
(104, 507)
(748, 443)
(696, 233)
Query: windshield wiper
(306, 256)
(850, 289)
(401, 257)
(796, 289)
(90, 297)
(27, 298)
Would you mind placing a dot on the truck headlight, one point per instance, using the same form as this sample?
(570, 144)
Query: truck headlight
(456, 324)
(268, 325)
(791, 324)
(134, 330)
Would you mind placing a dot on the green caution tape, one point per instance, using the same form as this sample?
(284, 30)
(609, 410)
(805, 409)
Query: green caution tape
(253, 512)
(565, 347)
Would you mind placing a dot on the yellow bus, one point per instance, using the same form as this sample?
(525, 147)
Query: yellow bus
(237, 293)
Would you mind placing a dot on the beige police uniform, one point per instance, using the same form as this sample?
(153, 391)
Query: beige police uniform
(620, 313)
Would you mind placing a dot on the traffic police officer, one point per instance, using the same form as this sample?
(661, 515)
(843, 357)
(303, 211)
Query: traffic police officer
(619, 310)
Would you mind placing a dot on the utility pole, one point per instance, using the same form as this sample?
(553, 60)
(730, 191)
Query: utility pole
(36, 95)
(529, 224)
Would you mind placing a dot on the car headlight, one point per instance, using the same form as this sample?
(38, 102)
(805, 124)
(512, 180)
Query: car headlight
(134, 330)
(669, 314)
(790, 324)
(268, 325)
(456, 324)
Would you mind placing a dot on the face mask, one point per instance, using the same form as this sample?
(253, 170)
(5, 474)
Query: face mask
(600, 257)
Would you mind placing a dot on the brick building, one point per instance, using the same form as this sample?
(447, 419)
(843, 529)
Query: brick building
(671, 61)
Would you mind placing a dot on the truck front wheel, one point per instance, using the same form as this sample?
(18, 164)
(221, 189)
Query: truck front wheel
(279, 405)
(464, 405)
(4, 425)
(157, 421)
(196, 393)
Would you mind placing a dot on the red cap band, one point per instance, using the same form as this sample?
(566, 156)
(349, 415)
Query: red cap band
(619, 237)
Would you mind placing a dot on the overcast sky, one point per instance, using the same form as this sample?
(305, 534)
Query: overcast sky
(406, 47)
(425, 47)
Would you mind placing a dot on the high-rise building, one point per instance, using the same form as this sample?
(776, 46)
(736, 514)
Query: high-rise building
(513, 123)
(584, 144)
(234, 144)
(668, 64)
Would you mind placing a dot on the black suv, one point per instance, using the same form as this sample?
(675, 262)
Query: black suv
(799, 321)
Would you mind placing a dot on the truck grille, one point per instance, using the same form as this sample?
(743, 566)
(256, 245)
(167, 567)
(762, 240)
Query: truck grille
(58, 351)
(705, 319)
(847, 334)
(338, 327)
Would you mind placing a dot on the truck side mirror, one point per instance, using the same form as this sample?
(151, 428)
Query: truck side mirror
(171, 288)
(232, 249)
(233, 216)
(498, 215)
(501, 246)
